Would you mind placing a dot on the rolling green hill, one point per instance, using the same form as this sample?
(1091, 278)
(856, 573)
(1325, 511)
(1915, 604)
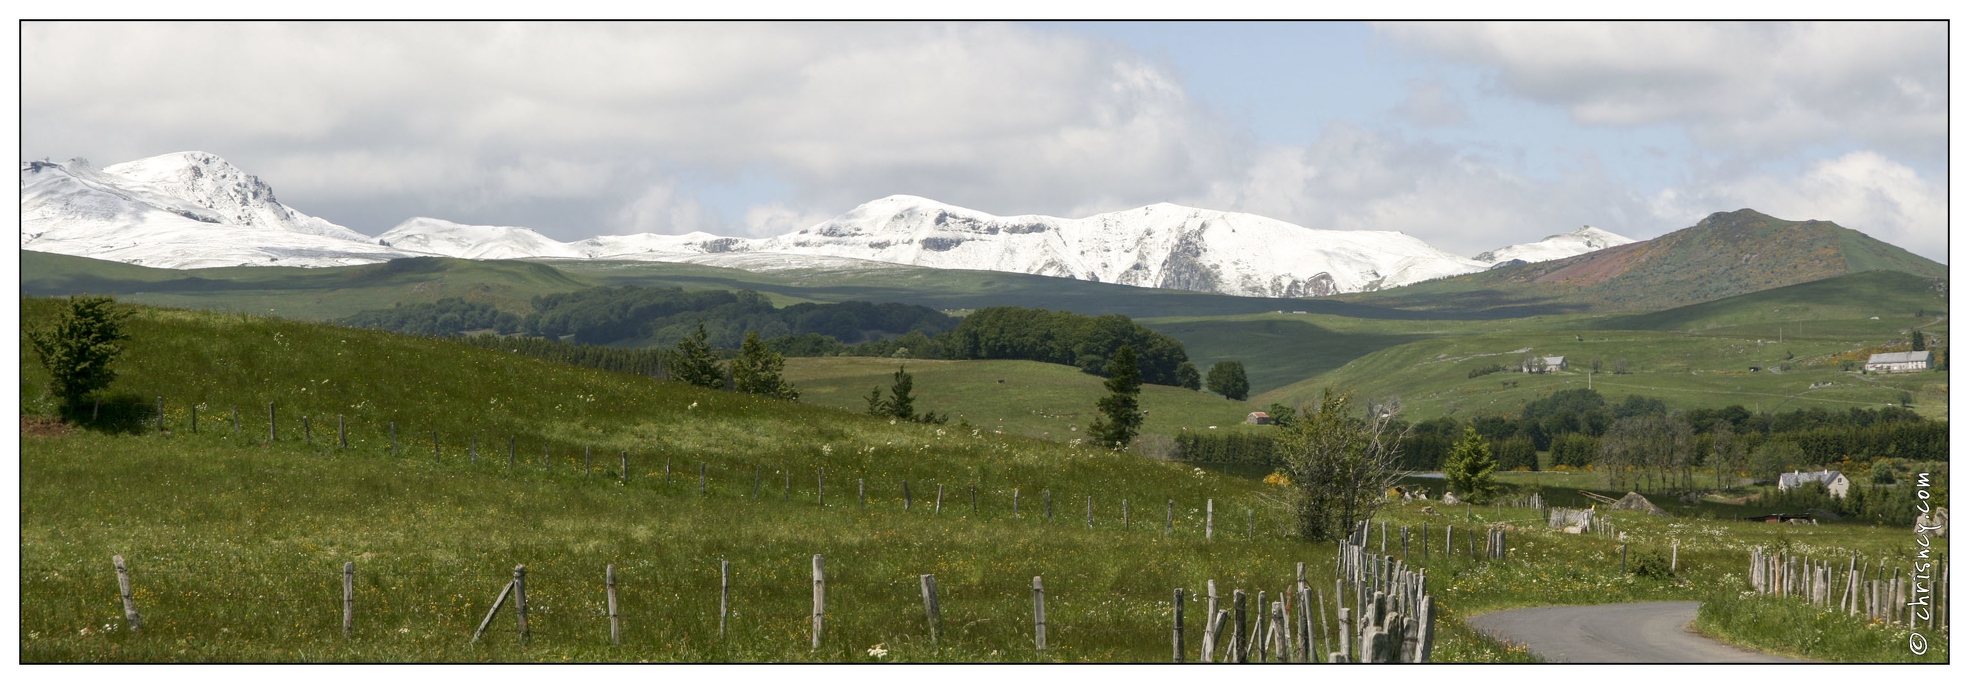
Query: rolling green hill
(236, 540)
(1726, 254)
(1432, 377)
(1887, 294)
(299, 293)
(1043, 400)
(236, 531)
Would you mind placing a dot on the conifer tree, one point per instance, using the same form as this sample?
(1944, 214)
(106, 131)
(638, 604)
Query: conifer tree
(694, 363)
(757, 371)
(1469, 466)
(1120, 413)
(79, 347)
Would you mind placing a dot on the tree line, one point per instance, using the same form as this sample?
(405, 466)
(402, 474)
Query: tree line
(1637, 441)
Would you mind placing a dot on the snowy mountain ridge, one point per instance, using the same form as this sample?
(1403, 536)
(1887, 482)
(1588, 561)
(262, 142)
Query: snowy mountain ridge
(1586, 239)
(193, 210)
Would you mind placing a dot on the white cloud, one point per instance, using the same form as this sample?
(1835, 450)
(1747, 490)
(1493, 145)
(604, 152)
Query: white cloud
(983, 114)
(1356, 179)
(661, 209)
(1864, 191)
(1431, 103)
(1754, 87)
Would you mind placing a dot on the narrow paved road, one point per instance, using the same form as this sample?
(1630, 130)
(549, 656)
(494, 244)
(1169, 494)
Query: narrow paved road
(1616, 633)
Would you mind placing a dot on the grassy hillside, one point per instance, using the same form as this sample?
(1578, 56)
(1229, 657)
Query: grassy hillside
(299, 293)
(1726, 254)
(1044, 400)
(1712, 369)
(236, 542)
(1890, 295)
(326, 293)
(1280, 349)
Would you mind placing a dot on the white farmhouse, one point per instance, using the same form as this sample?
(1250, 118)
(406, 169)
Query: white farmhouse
(1898, 362)
(1835, 482)
(1544, 364)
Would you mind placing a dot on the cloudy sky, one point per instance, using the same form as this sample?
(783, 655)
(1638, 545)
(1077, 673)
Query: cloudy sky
(1470, 136)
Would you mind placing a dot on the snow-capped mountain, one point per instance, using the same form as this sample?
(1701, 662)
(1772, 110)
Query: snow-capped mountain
(1586, 239)
(183, 210)
(444, 238)
(1162, 245)
(194, 210)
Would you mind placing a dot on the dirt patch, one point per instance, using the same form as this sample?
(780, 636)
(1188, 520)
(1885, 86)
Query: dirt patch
(37, 426)
(1601, 266)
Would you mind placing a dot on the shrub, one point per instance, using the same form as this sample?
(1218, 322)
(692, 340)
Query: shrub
(1650, 563)
(78, 348)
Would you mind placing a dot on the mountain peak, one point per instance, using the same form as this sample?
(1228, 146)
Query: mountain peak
(1586, 239)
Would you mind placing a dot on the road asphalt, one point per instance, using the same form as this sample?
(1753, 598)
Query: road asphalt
(1657, 632)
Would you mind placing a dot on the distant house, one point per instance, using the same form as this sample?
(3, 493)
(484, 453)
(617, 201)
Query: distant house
(1793, 518)
(1544, 364)
(1258, 418)
(1835, 482)
(1898, 362)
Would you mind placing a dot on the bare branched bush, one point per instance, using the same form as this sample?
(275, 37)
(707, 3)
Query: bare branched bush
(1341, 464)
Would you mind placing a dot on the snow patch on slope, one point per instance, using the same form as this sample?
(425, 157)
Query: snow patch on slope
(185, 210)
(1586, 239)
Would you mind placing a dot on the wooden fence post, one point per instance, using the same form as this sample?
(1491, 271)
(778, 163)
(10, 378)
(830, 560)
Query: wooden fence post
(1344, 627)
(1090, 511)
(1176, 635)
(129, 603)
(1426, 624)
(700, 478)
(787, 494)
(307, 430)
(905, 495)
(496, 604)
(341, 431)
(1209, 517)
(939, 510)
(1674, 551)
(348, 598)
(1038, 615)
(724, 594)
(1258, 639)
(1238, 652)
(930, 610)
(861, 492)
(474, 453)
(820, 597)
(1015, 502)
(1124, 515)
(614, 620)
(1169, 523)
(625, 467)
(1210, 623)
(974, 499)
(271, 432)
(512, 448)
(820, 485)
(235, 418)
(519, 600)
